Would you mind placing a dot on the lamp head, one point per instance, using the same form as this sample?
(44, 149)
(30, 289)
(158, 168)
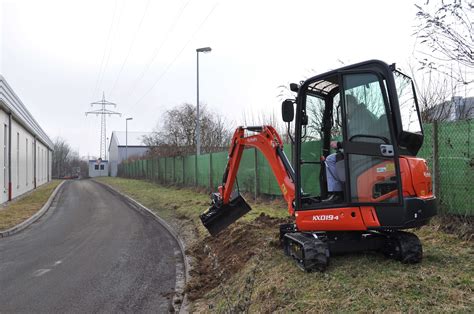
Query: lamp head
(204, 49)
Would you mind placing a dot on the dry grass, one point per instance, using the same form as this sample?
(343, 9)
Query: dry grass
(366, 282)
(26, 206)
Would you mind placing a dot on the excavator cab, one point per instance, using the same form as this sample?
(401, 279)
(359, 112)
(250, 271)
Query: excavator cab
(370, 108)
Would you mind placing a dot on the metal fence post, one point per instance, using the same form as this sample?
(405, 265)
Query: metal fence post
(256, 179)
(195, 170)
(157, 171)
(210, 171)
(158, 177)
(152, 169)
(161, 172)
(174, 170)
(184, 173)
(436, 178)
(166, 168)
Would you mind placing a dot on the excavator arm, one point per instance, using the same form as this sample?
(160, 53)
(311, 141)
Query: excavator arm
(226, 208)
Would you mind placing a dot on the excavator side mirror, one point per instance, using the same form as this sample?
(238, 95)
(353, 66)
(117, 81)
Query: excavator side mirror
(294, 87)
(287, 110)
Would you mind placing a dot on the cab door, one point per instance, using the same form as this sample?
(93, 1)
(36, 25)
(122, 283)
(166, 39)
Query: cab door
(370, 153)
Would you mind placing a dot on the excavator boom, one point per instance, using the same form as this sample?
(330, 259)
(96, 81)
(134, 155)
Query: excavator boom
(226, 206)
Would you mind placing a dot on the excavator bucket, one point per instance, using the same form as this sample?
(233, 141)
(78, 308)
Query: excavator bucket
(216, 218)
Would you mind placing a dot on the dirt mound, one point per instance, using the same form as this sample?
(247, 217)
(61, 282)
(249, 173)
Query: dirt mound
(218, 258)
(270, 221)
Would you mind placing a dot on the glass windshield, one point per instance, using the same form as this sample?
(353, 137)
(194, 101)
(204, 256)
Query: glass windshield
(406, 98)
(366, 118)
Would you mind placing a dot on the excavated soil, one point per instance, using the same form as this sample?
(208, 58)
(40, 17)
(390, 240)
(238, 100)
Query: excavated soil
(218, 258)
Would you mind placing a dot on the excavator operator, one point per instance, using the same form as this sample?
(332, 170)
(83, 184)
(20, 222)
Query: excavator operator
(359, 120)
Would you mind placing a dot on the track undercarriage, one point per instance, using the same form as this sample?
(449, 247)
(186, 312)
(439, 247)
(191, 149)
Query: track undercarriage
(311, 250)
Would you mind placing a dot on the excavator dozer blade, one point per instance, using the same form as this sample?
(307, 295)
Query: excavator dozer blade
(216, 219)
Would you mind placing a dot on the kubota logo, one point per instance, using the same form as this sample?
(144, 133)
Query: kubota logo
(325, 217)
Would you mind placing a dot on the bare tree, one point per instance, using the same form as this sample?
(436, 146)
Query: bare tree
(77, 165)
(177, 135)
(61, 151)
(446, 28)
(250, 118)
(66, 162)
(433, 91)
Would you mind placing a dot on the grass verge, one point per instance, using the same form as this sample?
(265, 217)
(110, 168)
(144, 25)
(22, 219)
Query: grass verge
(244, 270)
(26, 206)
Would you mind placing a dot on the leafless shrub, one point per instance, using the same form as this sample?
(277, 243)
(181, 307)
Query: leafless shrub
(177, 135)
(446, 29)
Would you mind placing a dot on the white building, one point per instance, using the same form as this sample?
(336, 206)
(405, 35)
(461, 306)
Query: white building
(458, 108)
(27, 150)
(98, 168)
(120, 148)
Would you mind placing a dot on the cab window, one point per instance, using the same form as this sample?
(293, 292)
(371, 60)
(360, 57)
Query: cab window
(406, 99)
(366, 117)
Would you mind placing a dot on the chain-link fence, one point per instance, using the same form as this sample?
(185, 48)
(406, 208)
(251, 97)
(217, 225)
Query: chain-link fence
(447, 148)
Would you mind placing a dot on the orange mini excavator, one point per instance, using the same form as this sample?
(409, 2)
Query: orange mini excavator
(385, 187)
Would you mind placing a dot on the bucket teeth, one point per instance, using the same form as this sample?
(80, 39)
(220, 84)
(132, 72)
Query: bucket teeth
(219, 216)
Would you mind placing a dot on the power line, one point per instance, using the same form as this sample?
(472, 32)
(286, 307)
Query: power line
(105, 50)
(112, 41)
(130, 48)
(158, 49)
(177, 56)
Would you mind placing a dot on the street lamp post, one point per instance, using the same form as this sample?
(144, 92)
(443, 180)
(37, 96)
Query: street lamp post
(106, 150)
(198, 124)
(126, 138)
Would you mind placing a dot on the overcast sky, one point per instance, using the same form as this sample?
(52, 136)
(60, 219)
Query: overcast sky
(59, 56)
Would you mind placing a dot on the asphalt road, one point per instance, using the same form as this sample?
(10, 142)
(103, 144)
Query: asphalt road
(90, 252)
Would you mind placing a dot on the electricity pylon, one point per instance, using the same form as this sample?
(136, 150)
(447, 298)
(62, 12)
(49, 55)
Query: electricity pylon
(103, 112)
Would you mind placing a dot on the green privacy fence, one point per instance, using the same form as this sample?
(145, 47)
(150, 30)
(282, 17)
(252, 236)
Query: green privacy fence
(254, 176)
(448, 149)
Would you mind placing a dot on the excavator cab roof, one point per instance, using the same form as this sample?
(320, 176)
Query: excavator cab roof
(403, 113)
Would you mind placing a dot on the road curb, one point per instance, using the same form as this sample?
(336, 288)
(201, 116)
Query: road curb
(25, 224)
(183, 304)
